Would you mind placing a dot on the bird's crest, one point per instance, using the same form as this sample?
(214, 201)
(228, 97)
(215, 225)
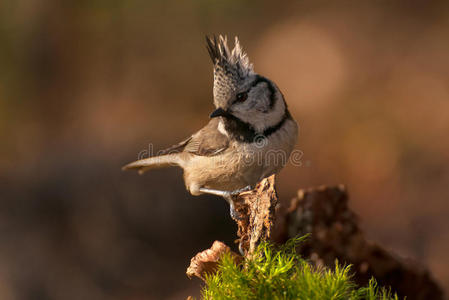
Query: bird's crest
(231, 68)
(221, 55)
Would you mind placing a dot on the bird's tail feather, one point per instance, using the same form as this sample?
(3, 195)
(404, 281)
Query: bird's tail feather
(156, 162)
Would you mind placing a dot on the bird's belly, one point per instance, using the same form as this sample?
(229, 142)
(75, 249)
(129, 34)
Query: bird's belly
(227, 172)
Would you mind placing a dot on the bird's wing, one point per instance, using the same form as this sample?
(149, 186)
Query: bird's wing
(176, 148)
(206, 142)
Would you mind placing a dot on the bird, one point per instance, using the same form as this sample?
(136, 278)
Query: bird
(249, 137)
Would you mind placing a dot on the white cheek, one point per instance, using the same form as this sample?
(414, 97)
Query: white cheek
(259, 100)
(261, 120)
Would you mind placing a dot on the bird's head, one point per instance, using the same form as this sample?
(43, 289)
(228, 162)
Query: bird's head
(241, 95)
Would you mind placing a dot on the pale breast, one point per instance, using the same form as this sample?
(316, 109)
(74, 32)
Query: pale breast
(235, 168)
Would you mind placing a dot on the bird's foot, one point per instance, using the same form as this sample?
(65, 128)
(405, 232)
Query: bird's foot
(233, 212)
(229, 197)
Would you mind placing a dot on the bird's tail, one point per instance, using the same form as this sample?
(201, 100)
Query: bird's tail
(156, 162)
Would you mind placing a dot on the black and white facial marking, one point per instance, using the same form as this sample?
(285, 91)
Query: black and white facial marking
(259, 103)
(258, 108)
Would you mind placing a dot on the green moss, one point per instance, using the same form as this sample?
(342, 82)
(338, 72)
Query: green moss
(281, 274)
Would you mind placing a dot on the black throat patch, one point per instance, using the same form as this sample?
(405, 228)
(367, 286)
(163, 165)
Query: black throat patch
(244, 132)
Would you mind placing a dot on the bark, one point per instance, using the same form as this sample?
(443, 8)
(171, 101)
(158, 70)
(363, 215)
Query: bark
(256, 210)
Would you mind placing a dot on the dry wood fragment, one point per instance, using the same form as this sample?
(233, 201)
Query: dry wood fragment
(206, 262)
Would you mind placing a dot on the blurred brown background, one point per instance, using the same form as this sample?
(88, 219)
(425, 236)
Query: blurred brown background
(86, 85)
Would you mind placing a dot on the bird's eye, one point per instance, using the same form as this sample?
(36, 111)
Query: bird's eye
(241, 97)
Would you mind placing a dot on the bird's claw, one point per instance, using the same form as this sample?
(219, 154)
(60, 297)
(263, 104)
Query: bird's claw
(237, 192)
(234, 213)
(229, 195)
(242, 252)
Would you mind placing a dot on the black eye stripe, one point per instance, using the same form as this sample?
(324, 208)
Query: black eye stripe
(258, 80)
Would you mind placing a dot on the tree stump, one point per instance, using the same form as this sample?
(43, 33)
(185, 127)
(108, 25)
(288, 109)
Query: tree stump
(322, 212)
(256, 210)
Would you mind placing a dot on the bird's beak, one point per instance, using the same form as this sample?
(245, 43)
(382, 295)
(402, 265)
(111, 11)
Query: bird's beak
(219, 112)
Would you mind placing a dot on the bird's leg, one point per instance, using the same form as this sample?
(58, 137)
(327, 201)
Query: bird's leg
(245, 189)
(227, 195)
